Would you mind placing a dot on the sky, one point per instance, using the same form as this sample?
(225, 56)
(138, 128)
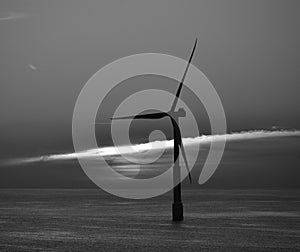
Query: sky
(249, 50)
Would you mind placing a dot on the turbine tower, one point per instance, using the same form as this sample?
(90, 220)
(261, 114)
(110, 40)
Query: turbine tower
(177, 207)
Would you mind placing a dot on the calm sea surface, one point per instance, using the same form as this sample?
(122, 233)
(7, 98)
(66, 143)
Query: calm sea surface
(91, 220)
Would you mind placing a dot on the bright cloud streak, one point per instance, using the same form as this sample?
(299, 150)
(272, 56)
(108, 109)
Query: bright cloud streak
(156, 145)
(13, 16)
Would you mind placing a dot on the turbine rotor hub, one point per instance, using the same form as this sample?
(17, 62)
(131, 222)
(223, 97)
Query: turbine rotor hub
(179, 113)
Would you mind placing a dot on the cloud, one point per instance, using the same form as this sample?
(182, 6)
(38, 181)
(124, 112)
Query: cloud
(111, 152)
(32, 67)
(12, 16)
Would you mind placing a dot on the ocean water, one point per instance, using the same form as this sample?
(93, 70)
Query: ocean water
(92, 220)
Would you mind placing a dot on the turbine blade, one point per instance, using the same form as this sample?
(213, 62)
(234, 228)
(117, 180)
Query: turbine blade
(178, 139)
(185, 161)
(183, 78)
(143, 116)
(122, 117)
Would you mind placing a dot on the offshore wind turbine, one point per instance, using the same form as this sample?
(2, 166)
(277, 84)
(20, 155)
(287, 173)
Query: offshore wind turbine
(177, 206)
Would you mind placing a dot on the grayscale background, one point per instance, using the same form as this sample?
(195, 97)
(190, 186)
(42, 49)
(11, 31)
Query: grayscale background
(249, 50)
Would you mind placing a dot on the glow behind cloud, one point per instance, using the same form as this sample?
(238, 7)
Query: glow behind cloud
(154, 146)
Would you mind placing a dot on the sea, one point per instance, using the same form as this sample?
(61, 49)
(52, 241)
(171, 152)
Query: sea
(93, 220)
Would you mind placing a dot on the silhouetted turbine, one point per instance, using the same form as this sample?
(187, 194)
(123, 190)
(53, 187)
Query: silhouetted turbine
(177, 208)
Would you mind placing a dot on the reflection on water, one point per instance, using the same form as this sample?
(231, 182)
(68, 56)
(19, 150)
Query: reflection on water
(227, 220)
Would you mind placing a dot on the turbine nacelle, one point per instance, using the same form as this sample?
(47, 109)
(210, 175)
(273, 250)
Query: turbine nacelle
(179, 113)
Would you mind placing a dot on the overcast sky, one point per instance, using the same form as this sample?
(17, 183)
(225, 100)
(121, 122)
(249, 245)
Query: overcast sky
(49, 49)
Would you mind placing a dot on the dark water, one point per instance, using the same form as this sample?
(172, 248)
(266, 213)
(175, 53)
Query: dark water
(83, 220)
